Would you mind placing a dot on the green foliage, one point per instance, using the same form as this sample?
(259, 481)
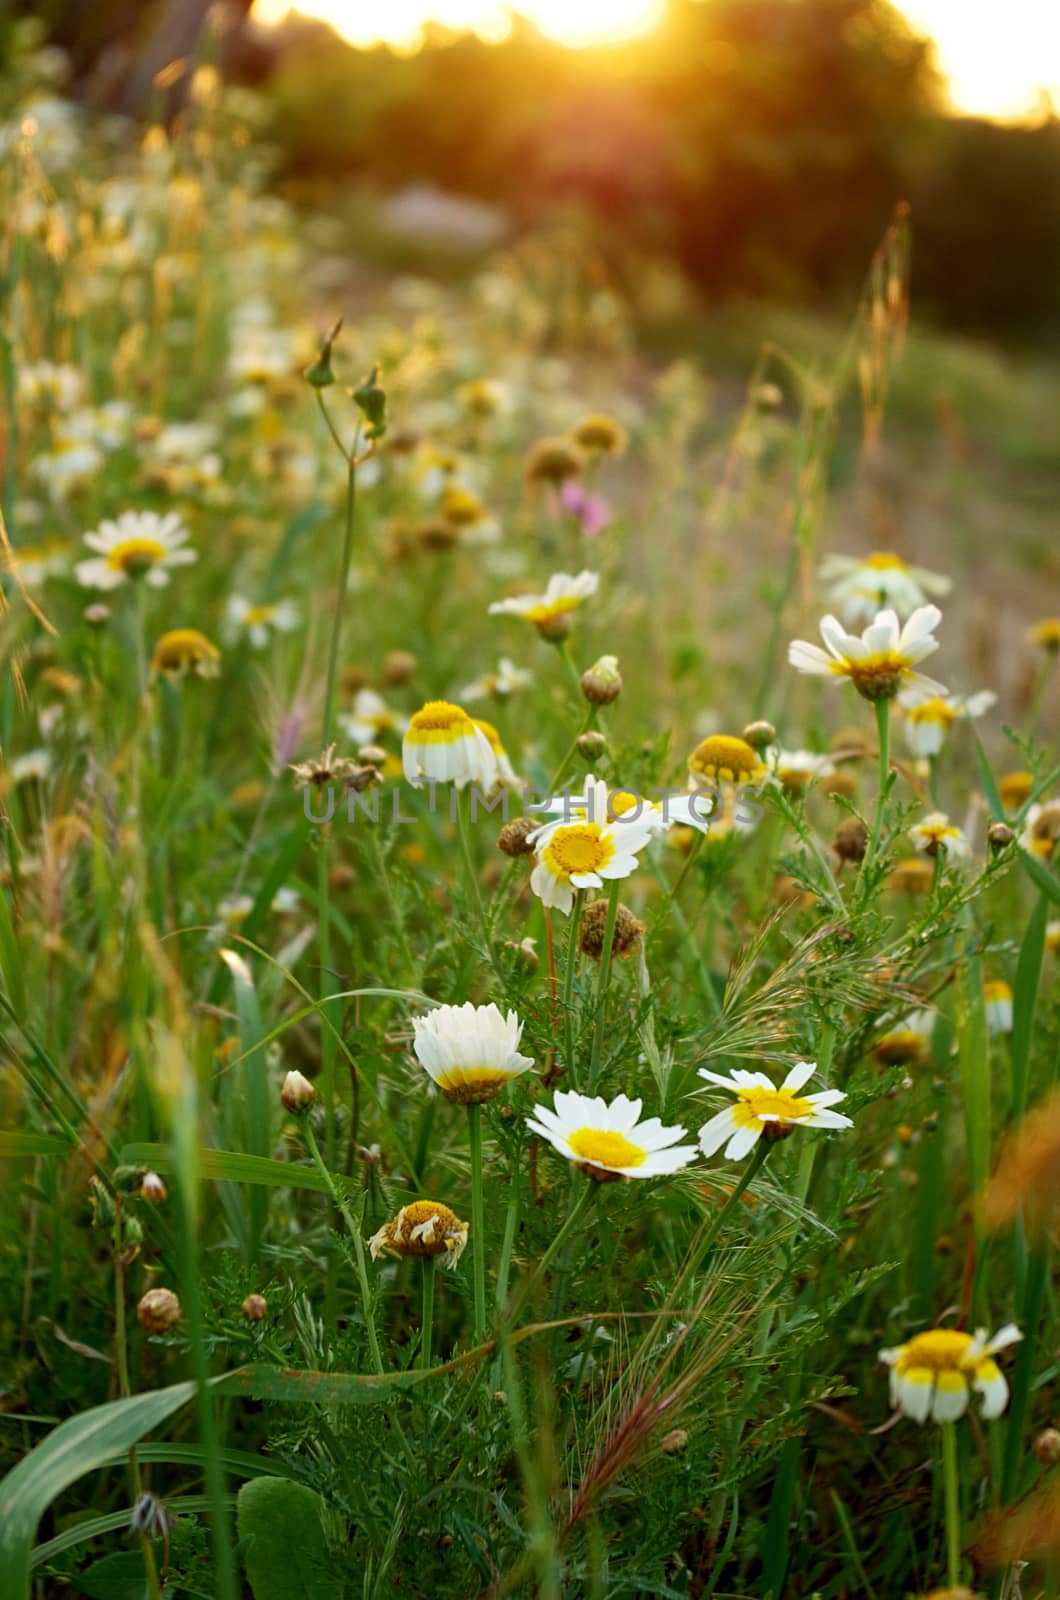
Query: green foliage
(282, 1534)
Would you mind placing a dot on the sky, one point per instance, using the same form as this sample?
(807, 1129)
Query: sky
(997, 55)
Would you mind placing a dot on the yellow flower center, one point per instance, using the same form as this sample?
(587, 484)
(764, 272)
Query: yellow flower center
(933, 711)
(996, 989)
(554, 608)
(135, 555)
(438, 722)
(604, 1149)
(491, 734)
(755, 1102)
(471, 1085)
(725, 758)
(183, 647)
(258, 614)
(876, 677)
(882, 561)
(577, 848)
(1047, 633)
(898, 1047)
(940, 1350)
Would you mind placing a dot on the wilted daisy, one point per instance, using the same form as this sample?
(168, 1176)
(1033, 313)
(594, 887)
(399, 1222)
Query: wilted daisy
(260, 621)
(507, 680)
(932, 1373)
(424, 1228)
(763, 1110)
(139, 544)
(470, 1051)
(937, 833)
(609, 1141)
(880, 661)
(186, 650)
(997, 997)
(593, 847)
(863, 585)
(929, 717)
(371, 718)
(442, 743)
(551, 611)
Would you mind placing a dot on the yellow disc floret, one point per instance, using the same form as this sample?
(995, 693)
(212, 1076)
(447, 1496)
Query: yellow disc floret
(578, 848)
(601, 1148)
(725, 759)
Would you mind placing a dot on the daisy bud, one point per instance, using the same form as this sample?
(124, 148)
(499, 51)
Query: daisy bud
(760, 735)
(158, 1311)
(398, 668)
(152, 1189)
(97, 616)
(851, 840)
(513, 839)
(320, 374)
(297, 1094)
(524, 952)
(371, 401)
(603, 682)
(629, 930)
(591, 745)
(999, 836)
(674, 1442)
(372, 755)
(255, 1308)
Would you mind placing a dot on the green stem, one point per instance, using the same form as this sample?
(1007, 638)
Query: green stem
(602, 986)
(883, 728)
(952, 1504)
(573, 1217)
(686, 866)
(474, 890)
(511, 1224)
(700, 1250)
(478, 1220)
(355, 1239)
(568, 984)
(1034, 1295)
(427, 1319)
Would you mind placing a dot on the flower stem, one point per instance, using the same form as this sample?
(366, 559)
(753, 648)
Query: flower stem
(602, 986)
(478, 1220)
(883, 728)
(573, 1217)
(699, 1252)
(568, 984)
(427, 1320)
(471, 875)
(355, 1239)
(952, 1504)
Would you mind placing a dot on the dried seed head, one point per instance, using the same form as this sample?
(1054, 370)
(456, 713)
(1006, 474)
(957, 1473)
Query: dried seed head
(513, 839)
(851, 840)
(297, 1094)
(629, 930)
(255, 1308)
(158, 1311)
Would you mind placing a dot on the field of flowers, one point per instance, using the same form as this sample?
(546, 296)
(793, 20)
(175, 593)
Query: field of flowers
(528, 940)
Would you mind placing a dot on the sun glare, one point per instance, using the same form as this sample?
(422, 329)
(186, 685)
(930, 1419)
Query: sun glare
(991, 71)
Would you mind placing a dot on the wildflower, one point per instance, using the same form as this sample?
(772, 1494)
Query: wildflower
(152, 1189)
(34, 564)
(1015, 789)
(928, 718)
(483, 397)
(600, 435)
(551, 462)
(34, 766)
(628, 930)
(907, 1041)
(997, 997)
(259, 622)
(507, 680)
(937, 833)
(1041, 830)
(591, 510)
(442, 744)
(609, 1142)
(763, 1110)
(68, 467)
(1052, 938)
(912, 876)
(371, 718)
(551, 611)
(863, 586)
(1046, 634)
(328, 768)
(297, 1094)
(797, 769)
(505, 770)
(49, 383)
(585, 852)
(398, 668)
(140, 544)
(158, 1310)
(723, 759)
(186, 650)
(514, 838)
(424, 1228)
(255, 1308)
(149, 1518)
(851, 840)
(881, 661)
(591, 744)
(932, 1373)
(999, 836)
(470, 1051)
(602, 683)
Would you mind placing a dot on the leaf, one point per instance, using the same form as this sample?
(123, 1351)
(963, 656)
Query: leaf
(255, 1096)
(120, 1576)
(10, 960)
(78, 1446)
(1024, 996)
(280, 1525)
(181, 1505)
(989, 783)
(13, 1145)
(229, 1165)
(261, 1382)
(1039, 875)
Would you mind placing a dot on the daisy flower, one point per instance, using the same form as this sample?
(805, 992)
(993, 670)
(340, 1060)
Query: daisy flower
(69, 466)
(591, 848)
(863, 585)
(725, 759)
(552, 610)
(797, 769)
(507, 680)
(928, 718)
(442, 744)
(762, 1109)
(997, 997)
(470, 1051)
(258, 622)
(932, 1373)
(609, 1141)
(139, 544)
(1046, 634)
(370, 719)
(906, 1041)
(186, 650)
(424, 1228)
(881, 661)
(1041, 830)
(936, 832)
(505, 770)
